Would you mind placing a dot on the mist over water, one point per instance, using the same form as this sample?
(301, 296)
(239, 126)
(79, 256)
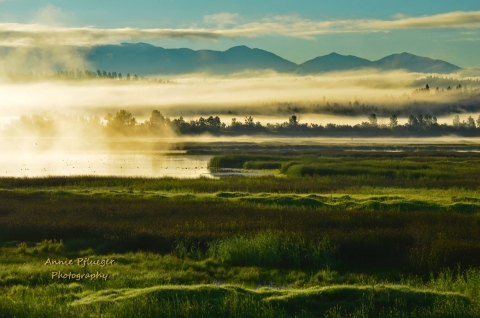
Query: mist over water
(36, 164)
(263, 95)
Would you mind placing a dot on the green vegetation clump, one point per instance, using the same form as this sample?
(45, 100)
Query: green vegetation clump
(258, 165)
(274, 249)
(244, 161)
(340, 170)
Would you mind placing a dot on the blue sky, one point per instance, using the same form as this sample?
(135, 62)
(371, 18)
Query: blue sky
(366, 28)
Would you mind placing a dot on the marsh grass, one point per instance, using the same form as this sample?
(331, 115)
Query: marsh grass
(241, 160)
(152, 285)
(258, 165)
(274, 249)
(383, 230)
(233, 301)
(339, 235)
(406, 170)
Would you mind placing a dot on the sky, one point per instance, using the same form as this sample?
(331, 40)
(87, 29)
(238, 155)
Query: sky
(296, 30)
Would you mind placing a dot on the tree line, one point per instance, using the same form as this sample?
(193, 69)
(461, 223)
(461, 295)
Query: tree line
(77, 74)
(123, 123)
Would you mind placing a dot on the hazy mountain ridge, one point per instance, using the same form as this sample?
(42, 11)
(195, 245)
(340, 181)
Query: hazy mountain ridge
(145, 59)
(405, 61)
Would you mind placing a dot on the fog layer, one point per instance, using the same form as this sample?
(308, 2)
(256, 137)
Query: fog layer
(260, 94)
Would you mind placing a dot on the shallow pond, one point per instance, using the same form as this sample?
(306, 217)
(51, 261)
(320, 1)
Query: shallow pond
(149, 164)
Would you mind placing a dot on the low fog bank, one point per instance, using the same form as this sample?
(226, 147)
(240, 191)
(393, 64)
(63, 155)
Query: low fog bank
(79, 111)
(37, 63)
(262, 94)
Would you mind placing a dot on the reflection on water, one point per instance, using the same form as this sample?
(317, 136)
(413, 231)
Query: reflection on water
(156, 164)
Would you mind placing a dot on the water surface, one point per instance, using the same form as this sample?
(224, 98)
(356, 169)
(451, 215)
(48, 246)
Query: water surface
(148, 164)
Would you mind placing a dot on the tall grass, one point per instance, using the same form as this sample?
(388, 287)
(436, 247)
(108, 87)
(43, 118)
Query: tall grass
(258, 165)
(276, 249)
(239, 160)
(365, 234)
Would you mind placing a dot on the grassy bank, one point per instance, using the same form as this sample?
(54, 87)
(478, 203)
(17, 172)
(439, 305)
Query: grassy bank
(151, 285)
(341, 170)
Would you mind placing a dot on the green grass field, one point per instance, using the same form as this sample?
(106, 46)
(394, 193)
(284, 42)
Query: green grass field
(332, 234)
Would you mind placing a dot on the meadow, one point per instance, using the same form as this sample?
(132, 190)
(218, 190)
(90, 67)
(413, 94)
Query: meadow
(329, 233)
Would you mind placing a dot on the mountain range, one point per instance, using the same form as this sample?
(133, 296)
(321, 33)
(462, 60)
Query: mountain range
(405, 61)
(145, 59)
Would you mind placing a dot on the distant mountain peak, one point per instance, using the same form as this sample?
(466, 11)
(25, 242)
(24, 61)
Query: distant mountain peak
(138, 44)
(415, 63)
(238, 47)
(333, 62)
